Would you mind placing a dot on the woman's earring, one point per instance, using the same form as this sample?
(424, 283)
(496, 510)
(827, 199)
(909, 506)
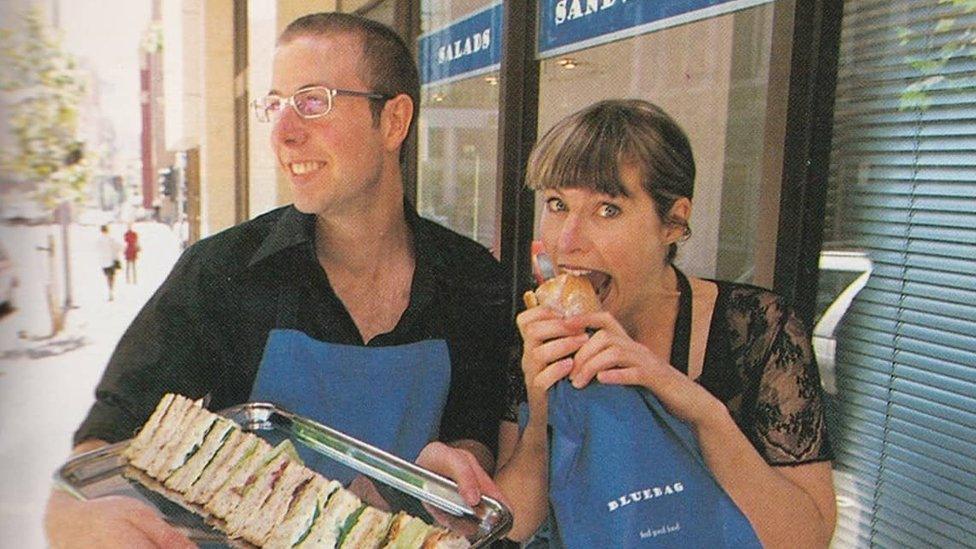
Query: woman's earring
(685, 233)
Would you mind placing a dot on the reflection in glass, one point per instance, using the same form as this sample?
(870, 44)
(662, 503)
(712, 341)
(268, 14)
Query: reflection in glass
(713, 77)
(457, 138)
(458, 132)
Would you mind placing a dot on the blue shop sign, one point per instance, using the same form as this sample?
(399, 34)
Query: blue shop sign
(570, 25)
(464, 48)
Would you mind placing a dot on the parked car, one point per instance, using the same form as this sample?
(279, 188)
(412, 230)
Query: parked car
(22, 211)
(8, 280)
(843, 274)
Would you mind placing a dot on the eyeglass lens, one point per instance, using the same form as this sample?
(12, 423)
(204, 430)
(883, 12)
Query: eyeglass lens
(309, 103)
(312, 102)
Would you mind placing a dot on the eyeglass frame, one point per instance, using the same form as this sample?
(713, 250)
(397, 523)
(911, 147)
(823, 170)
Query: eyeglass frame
(260, 111)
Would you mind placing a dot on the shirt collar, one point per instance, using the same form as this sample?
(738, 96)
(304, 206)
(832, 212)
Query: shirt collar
(293, 228)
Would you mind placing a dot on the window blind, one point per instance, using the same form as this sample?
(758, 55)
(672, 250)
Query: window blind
(902, 187)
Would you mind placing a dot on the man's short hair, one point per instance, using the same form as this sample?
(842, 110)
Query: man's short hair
(390, 68)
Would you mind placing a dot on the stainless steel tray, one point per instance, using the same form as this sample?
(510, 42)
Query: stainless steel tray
(399, 484)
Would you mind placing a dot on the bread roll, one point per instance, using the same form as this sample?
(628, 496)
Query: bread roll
(567, 294)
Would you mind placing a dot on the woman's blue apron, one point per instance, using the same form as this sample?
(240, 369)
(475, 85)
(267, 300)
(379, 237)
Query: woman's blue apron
(626, 473)
(390, 397)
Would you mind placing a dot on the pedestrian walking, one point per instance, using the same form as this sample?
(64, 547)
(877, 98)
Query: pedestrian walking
(131, 254)
(108, 250)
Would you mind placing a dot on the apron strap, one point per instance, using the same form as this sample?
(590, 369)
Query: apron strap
(702, 308)
(693, 324)
(681, 341)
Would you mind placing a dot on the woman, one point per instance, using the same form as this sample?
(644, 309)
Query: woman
(730, 361)
(132, 249)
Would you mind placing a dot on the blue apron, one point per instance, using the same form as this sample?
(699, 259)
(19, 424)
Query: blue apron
(390, 397)
(626, 473)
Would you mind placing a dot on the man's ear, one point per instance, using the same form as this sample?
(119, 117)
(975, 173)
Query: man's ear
(395, 121)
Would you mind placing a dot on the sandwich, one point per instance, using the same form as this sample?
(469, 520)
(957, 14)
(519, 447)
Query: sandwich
(142, 455)
(367, 530)
(305, 508)
(441, 538)
(257, 489)
(214, 440)
(327, 528)
(181, 448)
(164, 453)
(257, 522)
(406, 532)
(141, 440)
(239, 446)
(239, 478)
(567, 294)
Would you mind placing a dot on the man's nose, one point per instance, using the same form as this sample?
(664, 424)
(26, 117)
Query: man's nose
(289, 127)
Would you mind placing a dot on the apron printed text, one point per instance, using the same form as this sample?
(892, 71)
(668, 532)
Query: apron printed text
(664, 529)
(645, 494)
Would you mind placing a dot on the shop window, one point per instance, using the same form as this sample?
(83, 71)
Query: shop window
(902, 191)
(458, 123)
(383, 11)
(713, 76)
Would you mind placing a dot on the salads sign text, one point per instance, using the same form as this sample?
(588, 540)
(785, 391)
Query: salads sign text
(462, 49)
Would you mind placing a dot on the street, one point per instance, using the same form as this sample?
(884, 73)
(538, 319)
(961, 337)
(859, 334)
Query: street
(47, 383)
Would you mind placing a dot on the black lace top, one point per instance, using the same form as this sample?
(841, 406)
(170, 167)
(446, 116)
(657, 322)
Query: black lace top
(760, 363)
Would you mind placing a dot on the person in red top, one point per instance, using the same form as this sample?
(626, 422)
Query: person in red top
(131, 254)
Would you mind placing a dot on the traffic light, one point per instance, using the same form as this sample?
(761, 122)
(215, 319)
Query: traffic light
(167, 182)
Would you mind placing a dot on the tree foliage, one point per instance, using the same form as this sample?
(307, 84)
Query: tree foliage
(955, 36)
(43, 90)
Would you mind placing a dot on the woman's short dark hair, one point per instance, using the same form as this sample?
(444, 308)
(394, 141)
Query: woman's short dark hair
(587, 148)
(390, 68)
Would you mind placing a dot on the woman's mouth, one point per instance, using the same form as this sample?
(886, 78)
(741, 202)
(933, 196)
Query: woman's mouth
(598, 279)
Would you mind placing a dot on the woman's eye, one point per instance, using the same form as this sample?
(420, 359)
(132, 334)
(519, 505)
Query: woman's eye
(555, 205)
(609, 210)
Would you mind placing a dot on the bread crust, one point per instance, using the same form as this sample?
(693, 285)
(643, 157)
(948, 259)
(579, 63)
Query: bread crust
(567, 294)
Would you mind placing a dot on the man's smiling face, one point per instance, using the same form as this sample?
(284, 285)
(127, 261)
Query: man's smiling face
(333, 162)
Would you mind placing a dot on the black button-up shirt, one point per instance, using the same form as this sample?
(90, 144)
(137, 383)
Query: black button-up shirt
(203, 332)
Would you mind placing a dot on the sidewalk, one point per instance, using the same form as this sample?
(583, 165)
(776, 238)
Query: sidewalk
(47, 384)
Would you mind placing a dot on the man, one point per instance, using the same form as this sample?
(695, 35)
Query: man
(336, 307)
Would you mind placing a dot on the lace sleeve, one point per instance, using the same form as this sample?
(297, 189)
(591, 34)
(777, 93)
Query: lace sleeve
(789, 420)
(783, 413)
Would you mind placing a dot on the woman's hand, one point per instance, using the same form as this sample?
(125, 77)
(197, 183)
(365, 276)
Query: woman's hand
(549, 341)
(611, 356)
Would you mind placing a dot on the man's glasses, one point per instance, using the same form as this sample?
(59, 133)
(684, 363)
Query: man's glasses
(311, 102)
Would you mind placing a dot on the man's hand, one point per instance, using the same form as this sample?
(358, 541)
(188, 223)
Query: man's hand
(462, 467)
(112, 521)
